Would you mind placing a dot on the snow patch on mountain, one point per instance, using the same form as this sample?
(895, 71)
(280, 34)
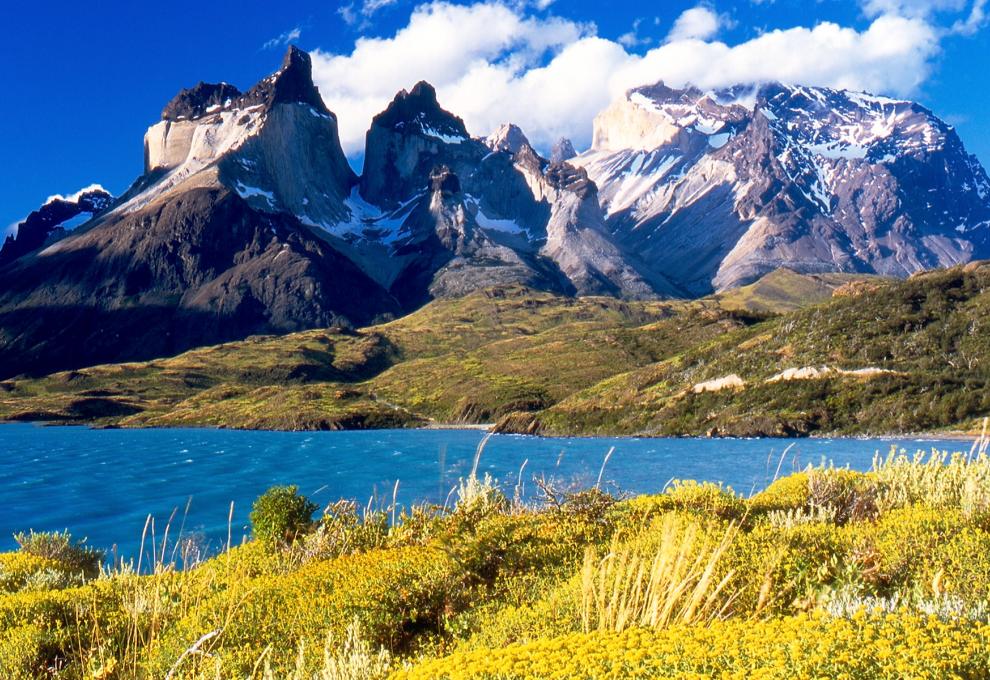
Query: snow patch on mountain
(74, 197)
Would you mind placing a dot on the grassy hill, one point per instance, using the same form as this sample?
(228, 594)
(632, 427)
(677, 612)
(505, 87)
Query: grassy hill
(828, 573)
(869, 356)
(470, 359)
(879, 356)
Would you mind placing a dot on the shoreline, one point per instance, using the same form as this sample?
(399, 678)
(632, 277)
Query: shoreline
(942, 435)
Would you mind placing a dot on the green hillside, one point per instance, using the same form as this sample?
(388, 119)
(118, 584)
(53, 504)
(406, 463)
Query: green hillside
(884, 356)
(890, 356)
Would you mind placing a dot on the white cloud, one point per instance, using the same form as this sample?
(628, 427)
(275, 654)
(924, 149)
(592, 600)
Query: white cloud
(917, 9)
(9, 230)
(697, 23)
(283, 39)
(975, 16)
(632, 38)
(976, 19)
(368, 8)
(468, 52)
(892, 55)
(491, 63)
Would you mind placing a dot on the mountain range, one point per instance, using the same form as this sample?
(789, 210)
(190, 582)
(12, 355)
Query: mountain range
(248, 218)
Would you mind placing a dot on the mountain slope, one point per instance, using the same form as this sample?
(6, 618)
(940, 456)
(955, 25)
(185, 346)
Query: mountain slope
(468, 359)
(716, 189)
(562, 365)
(199, 250)
(248, 218)
(881, 356)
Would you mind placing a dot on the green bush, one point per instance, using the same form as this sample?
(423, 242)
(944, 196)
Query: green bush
(58, 546)
(281, 515)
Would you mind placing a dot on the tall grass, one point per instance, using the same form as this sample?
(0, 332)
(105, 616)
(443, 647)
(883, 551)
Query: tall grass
(355, 659)
(938, 479)
(676, 584)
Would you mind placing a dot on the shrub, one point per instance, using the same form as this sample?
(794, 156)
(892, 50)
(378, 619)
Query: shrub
(894, 646)
(786, 493)
(479, 497)
(58, 546)
(354, 660)
(704, 499)
(399, 596)
(281, 515)
(848, 494)
(21, 651)
(939, 481)
(342, 531)
(844, 494)
(20, 570)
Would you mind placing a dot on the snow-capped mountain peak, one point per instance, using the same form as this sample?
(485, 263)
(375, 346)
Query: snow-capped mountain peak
(727, 185)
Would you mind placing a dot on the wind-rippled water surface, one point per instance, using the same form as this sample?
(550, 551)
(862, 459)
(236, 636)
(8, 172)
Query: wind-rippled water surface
(103, 484)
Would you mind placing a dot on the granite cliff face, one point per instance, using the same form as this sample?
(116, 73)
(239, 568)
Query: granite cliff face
(249, 219)
(212, 243)
(520, 219)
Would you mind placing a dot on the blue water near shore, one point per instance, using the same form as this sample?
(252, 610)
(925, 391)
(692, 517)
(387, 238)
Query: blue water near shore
(103, 484)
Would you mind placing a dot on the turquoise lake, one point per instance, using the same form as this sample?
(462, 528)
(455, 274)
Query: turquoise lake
(103, 484)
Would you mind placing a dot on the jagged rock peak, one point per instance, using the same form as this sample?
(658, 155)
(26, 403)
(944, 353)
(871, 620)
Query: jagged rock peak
(418, 111)
(292, 84)
(507, 138)
(563, 150)
(570, 178)
(199, 100)
(443, 180)
(46, 223)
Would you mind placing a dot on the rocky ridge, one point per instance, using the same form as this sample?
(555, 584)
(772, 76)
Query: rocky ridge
(249, 219)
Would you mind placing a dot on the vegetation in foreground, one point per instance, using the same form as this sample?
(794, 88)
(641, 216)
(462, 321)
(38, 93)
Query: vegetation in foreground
(828, 573)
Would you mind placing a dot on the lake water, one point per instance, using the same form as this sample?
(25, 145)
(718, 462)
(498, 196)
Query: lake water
(103, 484)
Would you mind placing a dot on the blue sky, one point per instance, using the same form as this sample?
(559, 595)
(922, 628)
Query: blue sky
(84, 80)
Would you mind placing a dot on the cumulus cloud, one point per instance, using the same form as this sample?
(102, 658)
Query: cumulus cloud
(492, 63)
(697, 23)
(283, 39)
(475, 55)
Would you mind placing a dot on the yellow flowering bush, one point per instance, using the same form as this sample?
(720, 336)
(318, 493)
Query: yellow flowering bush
(21, 652)
(865, 647)
(19, 569)
(706, 500)
(394, 593)
(828, 573)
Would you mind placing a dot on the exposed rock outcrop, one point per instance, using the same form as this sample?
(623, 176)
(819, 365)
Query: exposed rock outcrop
(54, 220)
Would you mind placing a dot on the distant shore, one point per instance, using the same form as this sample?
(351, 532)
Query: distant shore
(942, 435)
(484, 427)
